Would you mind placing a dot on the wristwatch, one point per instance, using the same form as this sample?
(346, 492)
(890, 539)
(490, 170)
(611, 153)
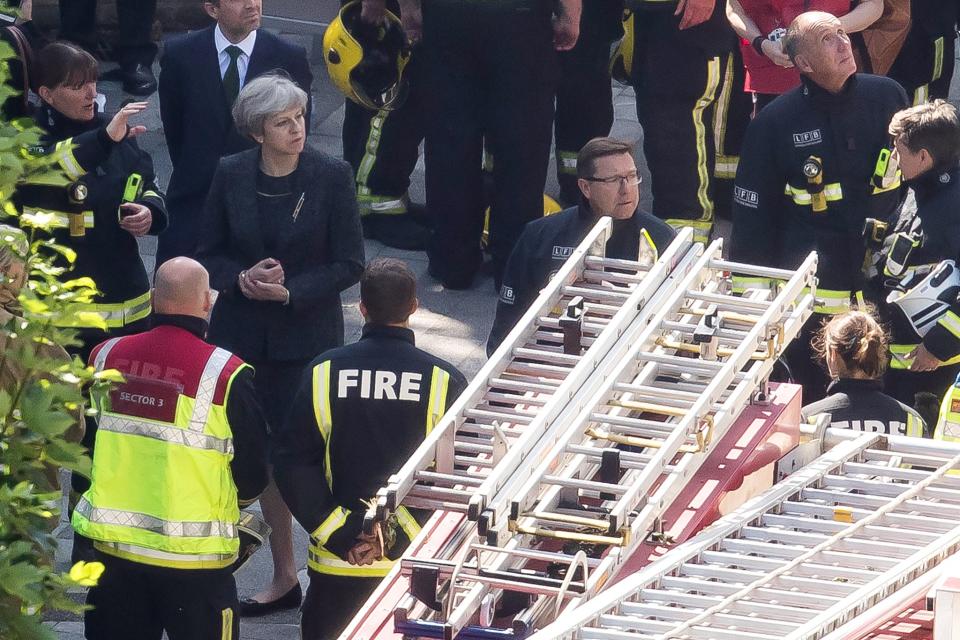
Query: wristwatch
(758, 44)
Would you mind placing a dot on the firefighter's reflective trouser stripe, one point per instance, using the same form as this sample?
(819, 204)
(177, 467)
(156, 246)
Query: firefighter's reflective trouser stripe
(567, 162)
(116, 314)
(162, 493)
(320, 559)
(323, 561)
(704, 225)
(61, 219)
(922, 93)
(368, 202)
(726, 165)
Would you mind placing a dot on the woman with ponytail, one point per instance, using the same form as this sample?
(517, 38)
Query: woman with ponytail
(854, 348)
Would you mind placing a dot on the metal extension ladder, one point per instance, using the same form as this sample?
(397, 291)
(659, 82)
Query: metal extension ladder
(590, 308)
(594, 484)
(800, 560)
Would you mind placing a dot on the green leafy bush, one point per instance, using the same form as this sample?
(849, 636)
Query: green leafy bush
(41, 395)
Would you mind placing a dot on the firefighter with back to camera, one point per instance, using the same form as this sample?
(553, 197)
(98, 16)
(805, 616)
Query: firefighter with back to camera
(853, 346)
(361, 411)
(815, 165)
(179, 448)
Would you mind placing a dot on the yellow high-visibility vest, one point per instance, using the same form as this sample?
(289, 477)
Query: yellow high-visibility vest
(162, 492)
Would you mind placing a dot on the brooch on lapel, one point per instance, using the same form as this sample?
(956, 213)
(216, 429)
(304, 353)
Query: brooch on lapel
(296, 209)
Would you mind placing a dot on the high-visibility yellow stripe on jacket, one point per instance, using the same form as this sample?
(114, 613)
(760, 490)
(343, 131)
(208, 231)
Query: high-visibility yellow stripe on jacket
(116, 314)
(832, 192)
(162, 493)
(61, 219)
(899, 356)
(322, 560)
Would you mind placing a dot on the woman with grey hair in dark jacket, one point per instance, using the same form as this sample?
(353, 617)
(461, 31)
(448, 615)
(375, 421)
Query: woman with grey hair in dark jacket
(281, 239)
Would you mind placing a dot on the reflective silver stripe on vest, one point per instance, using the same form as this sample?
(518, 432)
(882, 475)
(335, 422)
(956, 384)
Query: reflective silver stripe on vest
(144, 522)
(104, 351)
(208, 385)
(159, 431)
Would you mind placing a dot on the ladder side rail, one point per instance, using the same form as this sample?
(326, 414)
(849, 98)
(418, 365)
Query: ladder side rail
(400, 483)
(721, 381)
(885, 584)
(528, 489)
(643, 481)
(672, 483)
(539, 454)
(463, 612)
(568, 624)
(631, 314)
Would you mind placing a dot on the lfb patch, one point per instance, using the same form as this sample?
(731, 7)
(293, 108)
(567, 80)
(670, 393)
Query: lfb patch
(807, 138)
(506, 294)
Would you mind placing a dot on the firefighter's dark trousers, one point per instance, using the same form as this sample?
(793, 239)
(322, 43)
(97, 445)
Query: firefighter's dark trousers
(331, 602)
(134, 600)
(491, 72)
(677, 85)
(584, 94)
(924, 66)
(383, 146)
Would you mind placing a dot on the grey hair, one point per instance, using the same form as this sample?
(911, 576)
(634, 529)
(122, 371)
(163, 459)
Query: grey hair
(263, 97)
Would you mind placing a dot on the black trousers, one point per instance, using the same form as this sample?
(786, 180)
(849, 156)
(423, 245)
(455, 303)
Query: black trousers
(584, 108)
(924, 66)
(330, 604)
(133, 600)
(276, 383)
(490, 71)
(731, 117)
(383, 146)
(134, 45)
(676, 85)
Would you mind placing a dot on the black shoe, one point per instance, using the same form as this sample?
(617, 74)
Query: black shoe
(399, 231)
(250, 608)
(138, 80)
(457, 282)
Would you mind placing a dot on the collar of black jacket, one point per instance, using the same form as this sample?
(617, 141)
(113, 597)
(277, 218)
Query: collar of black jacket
(61, 126)
(821, 96)
(846, 385)
(196, 326)
(932, 181)
(374, 330)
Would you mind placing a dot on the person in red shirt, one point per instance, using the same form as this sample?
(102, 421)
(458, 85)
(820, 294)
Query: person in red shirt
(761, 23)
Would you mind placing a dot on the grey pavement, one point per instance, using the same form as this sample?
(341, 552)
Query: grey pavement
(451, 324)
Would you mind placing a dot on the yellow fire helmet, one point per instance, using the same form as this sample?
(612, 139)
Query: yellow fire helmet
(621, 54)
(550, 207)
(366, 61)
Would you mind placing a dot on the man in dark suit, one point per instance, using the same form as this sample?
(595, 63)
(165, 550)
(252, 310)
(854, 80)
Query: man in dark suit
(201, 74)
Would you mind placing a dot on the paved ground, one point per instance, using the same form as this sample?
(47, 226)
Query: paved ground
(452, 324)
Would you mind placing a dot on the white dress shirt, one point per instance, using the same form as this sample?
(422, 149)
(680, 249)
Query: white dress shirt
(246, 45)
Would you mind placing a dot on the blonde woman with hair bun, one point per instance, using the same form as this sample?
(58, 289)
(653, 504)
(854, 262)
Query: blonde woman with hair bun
(854, 349)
